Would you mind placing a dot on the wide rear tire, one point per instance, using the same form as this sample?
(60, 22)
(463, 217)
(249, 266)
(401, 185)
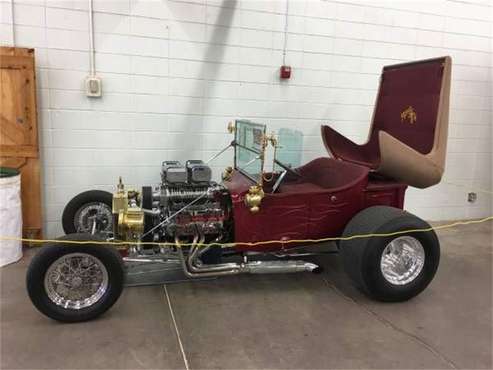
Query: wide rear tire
(75, 282)
(390, 268)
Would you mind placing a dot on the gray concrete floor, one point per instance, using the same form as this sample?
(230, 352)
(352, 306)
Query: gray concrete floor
(295, 321)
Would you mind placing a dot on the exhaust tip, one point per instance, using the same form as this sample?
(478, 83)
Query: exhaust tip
(316, 269)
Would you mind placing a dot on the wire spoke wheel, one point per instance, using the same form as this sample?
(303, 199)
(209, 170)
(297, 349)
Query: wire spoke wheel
(76, 281)
(73, 283)
(90, 213)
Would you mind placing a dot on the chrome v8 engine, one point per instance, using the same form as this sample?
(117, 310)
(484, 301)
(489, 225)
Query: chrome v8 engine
(187, 203)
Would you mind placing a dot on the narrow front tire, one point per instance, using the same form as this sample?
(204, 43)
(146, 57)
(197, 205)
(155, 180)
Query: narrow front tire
(84, 209)
(75, 282)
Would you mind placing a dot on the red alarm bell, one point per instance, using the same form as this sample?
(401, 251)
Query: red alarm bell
(285, 72)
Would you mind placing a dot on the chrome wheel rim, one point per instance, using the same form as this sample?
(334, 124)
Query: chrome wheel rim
(76, 280)
(402, 260)
(87, 214)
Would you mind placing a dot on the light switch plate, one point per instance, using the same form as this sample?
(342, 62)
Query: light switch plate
(94, 87)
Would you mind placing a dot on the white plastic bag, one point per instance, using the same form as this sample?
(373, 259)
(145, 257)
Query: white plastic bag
(10, 219)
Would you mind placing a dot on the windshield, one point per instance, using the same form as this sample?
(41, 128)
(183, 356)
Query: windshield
(249, 146)
(248, 149)
(289, 149)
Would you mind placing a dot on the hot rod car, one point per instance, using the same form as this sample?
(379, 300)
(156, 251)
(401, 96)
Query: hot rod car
(213, 229)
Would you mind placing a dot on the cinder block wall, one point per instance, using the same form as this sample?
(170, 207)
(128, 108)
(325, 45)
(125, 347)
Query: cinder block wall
(175, 72)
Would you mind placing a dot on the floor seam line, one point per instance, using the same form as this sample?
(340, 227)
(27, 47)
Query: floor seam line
(389, 324)
(177, 331)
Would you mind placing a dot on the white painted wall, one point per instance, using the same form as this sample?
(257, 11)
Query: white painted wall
(175, 72)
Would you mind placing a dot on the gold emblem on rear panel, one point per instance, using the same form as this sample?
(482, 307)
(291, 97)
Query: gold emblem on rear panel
(409, 114)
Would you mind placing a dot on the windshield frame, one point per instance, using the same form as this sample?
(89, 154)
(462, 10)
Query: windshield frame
(260, 153)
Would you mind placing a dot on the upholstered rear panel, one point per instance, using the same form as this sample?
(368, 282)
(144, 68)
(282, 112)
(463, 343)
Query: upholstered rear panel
(407, 105)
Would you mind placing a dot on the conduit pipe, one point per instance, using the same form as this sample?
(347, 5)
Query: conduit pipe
(12, 20)
(92, 57)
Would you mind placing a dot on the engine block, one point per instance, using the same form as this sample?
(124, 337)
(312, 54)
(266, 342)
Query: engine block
(187, 203)
(192, 208)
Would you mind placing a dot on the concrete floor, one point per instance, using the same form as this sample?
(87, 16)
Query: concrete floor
(295, 321)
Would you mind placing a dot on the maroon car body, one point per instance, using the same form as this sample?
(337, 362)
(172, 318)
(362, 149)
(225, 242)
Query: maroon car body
(411, 109)
(319, 204)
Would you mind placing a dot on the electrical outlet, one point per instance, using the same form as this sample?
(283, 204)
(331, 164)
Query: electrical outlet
(472, 197)
(94, 87)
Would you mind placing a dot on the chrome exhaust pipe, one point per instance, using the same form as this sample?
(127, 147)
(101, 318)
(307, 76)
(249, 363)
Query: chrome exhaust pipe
(190, 274)
(187, 264)
(195, 265)
(279, 267)
(192, 266)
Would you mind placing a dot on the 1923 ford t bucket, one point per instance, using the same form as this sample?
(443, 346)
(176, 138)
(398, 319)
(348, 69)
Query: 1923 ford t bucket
(355, 196)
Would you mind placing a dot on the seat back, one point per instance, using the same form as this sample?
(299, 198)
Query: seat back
(412, 104)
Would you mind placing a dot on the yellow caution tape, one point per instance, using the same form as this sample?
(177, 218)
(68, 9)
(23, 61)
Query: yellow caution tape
(252, 244)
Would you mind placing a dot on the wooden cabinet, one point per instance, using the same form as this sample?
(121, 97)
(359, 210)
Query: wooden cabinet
(19, 130)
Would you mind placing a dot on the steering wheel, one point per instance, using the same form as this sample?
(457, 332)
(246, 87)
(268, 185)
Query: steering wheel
(283, 175)
(287, 168)
(278, 181)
